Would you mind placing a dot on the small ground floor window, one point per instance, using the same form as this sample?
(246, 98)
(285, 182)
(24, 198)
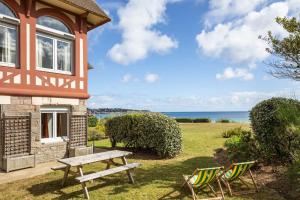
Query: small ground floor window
(54, 124)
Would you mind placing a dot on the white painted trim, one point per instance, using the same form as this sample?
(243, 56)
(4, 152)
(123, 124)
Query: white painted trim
(5, 99)
(9, 19)
(81, 58)
(38, 101)
(53, 31)
(28, 46)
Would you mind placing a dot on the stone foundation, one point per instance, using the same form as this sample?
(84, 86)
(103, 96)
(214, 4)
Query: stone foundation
(16, 106)
(80, 151)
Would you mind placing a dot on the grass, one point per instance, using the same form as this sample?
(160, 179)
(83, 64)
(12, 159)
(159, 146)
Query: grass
(155, 179)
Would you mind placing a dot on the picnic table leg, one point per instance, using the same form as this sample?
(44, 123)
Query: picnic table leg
(128, 171)
(67, 170)
(85, 190)
(108, 164)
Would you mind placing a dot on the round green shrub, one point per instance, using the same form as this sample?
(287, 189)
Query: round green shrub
(149, 131)
(275, 123)
(92, 121)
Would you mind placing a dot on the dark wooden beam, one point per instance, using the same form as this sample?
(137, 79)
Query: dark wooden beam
(82, 18)
(28, 7)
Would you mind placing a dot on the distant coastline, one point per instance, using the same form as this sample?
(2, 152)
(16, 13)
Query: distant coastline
(236, 116)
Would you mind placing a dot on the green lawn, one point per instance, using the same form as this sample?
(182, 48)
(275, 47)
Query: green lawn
(155, 179)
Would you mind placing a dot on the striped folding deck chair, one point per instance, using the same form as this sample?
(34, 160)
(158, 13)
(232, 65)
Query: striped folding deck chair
(234, 172)
(202, 178)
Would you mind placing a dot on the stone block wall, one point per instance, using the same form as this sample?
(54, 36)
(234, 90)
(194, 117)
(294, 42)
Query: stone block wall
(44, 152)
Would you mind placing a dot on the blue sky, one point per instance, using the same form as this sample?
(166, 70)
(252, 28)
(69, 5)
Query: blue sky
(186, 55)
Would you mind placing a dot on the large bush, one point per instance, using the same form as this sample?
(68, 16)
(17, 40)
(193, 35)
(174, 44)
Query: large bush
(92, 121)
(150, 131)
(275, 123)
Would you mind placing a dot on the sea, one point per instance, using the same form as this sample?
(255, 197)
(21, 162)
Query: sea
(236, 116)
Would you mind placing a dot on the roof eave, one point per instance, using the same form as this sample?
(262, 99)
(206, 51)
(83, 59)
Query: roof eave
(99, 24)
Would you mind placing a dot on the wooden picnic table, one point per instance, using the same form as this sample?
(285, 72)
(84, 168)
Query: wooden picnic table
(106, 157)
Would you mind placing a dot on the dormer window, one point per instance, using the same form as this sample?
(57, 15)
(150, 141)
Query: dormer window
(8, 36)
(54, 48)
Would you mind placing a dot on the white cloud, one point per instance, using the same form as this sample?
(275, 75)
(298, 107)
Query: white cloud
(139, 37)
(238, 40)
(151, 78)
(222, 9)
(230, 73)
(238, 100)
(126, 78)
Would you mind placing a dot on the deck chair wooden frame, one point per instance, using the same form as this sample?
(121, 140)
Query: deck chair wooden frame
(238, 170)
(211, 175)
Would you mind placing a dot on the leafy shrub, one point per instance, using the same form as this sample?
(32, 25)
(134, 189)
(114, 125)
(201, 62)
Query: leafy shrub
(101, 125)
(201, 120)
(92, 121)
(242, 147)
(151, 131)
(223, 121)
(94, 134)
(184, 120)
(275, 123)
(233, 132)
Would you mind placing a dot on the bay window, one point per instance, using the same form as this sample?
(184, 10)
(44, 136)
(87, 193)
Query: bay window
(54, 124)
(8, 36)
(54, 46)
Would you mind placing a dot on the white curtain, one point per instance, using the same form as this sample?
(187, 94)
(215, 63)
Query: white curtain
(8, 45)
(64, 56)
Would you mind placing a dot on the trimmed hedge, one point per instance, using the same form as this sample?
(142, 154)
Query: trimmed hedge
(149, 131)
(201, 120)
(184, 120)
(223, 121)
(276, 124)
(191, 120)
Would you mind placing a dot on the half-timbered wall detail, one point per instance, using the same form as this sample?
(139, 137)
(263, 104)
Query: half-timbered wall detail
(25, 79)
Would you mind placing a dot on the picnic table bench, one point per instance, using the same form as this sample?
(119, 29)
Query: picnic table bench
(106, 157)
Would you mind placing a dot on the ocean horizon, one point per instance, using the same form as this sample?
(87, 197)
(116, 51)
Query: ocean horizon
(236, 116)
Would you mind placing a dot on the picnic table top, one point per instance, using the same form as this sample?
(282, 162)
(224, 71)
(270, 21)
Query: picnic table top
(91, 158)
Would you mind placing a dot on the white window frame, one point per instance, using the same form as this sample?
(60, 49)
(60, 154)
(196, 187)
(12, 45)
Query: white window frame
(54, 112)
(54, 42)
(14, 27)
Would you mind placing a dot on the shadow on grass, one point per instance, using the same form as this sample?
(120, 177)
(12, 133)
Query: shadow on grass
(287, 182)
(168, 176)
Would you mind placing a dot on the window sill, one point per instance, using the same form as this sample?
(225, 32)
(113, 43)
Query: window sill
(54, 71)
(54, 140)
(2, 64)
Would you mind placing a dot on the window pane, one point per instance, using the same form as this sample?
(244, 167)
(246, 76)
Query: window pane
(8, 45)
(53, 23)
(44, 52)
(62, 124)
(4, 10)
(64, 56)
(47, 125)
